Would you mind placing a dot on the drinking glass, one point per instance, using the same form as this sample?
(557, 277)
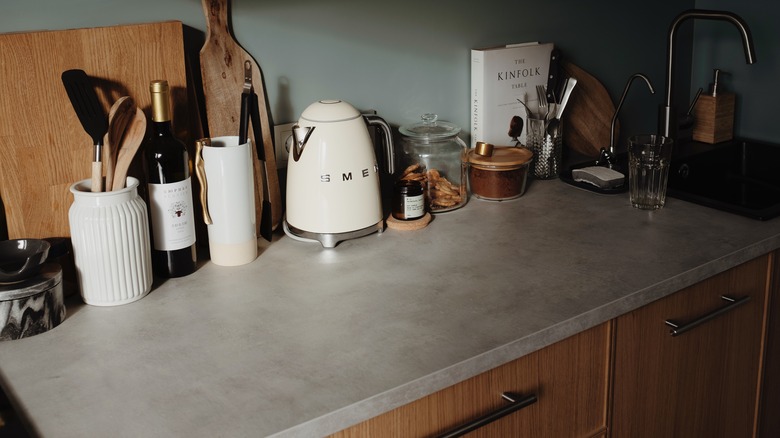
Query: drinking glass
(648, 170)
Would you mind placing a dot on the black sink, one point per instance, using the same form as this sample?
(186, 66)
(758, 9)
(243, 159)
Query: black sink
(741, 176)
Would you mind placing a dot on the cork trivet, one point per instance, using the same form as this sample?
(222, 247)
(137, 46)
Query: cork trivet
(417, 224)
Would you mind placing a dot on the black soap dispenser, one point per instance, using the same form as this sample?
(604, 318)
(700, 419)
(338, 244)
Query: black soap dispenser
(714, 114)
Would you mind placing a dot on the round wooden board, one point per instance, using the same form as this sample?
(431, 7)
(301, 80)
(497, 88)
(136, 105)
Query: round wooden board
(588, 115)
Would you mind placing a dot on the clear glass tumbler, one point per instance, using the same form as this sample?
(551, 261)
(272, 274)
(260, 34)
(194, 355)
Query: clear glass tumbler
(648, 170)
(545, 141)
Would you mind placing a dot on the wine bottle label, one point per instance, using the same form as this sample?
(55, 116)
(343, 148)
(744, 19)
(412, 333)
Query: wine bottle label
(173, 218)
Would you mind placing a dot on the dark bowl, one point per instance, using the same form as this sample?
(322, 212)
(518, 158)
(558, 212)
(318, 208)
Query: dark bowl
(21, 258)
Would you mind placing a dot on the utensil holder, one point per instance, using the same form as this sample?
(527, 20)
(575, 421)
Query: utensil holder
(111, 248)
(547, 148)
(228, 199)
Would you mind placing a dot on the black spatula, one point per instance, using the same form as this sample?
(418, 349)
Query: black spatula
(91, 115)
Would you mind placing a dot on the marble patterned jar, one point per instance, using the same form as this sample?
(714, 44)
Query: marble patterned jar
(33, 305)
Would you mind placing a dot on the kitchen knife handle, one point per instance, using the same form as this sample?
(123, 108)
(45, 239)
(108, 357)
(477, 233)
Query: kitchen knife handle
(553, 77)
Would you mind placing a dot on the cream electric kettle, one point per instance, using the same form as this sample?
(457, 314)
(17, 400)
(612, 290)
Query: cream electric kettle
(333, 191)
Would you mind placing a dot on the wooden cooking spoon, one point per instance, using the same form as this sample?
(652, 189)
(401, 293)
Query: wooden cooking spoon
(122, 111)
(134, 135)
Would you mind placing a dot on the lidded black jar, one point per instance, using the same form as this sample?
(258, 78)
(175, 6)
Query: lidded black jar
(408, 200)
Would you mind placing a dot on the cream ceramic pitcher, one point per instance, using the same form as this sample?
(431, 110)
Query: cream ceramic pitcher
(225, 172)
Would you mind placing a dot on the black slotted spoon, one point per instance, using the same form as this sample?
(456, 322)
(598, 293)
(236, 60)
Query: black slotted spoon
(91, 115)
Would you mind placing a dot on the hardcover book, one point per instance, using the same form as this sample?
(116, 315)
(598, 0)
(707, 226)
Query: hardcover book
(502, 79)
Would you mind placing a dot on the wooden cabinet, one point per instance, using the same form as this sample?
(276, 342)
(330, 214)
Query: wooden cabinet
(770, 398)
(568, 378)
(703, 382)
(632, 377)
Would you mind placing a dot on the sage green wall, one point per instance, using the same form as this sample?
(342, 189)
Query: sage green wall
(718, 45)
(408, 57)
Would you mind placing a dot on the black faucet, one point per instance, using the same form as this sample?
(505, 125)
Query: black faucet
(667, 117)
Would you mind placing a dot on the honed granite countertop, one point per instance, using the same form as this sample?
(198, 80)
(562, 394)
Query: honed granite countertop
(306, 341)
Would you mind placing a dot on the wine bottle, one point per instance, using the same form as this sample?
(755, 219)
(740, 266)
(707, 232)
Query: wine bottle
(169, 186)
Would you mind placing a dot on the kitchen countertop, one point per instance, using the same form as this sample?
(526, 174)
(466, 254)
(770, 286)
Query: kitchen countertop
(306, 341)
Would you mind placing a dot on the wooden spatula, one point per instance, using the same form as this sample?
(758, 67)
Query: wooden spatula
(136, 130)
(222, 70)
(120, 114)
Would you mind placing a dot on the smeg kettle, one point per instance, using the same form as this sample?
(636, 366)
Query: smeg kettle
(333, 191)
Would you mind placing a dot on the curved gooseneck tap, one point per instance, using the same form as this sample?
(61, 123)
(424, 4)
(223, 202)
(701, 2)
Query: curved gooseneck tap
(607, 156)
(620, 104)
(667, 121)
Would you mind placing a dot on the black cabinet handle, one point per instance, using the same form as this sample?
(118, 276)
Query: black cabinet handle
(678, 329)
(516, 402)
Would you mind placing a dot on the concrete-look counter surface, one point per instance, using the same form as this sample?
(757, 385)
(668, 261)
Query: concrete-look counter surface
(306, 341)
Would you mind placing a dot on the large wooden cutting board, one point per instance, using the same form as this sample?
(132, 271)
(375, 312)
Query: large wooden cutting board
(588, 115)
(222, 71)
(43, 147)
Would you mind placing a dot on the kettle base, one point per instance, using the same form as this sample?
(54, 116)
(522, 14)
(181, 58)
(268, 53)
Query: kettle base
(330, 240)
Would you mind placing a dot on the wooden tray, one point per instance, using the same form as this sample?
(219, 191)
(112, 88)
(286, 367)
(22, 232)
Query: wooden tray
(44, 148)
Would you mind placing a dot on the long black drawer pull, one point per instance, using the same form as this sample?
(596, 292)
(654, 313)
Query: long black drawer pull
(515, 404)
(678, 329)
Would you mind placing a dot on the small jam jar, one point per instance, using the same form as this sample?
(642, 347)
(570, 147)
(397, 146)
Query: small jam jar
(434, 155)
(408, 200)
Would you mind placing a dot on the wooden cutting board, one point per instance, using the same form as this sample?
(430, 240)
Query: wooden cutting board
(588, 115)
(43, 147)
(222, 71)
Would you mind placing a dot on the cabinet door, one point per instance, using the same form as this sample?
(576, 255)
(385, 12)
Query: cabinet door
(770, 397)
(700, 383)
(568, 378)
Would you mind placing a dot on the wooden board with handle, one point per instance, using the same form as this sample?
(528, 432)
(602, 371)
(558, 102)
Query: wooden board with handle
(588, 114)
(44, 148)
(222, 71)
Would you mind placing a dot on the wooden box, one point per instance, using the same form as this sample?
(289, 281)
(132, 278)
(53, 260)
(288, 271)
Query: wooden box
(714, 118)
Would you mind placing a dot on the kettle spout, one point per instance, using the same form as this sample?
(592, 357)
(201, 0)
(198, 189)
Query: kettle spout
(300, 137)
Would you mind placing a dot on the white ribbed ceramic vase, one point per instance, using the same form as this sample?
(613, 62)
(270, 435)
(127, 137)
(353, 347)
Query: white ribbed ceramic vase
(111, 248)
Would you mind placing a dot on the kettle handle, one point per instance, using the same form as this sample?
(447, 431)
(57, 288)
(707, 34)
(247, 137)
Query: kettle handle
(373, 120)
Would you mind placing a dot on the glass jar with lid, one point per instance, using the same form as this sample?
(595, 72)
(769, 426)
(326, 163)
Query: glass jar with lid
(434, 155)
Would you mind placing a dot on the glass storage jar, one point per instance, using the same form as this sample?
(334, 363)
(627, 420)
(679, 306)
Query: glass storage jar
(434, 155)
